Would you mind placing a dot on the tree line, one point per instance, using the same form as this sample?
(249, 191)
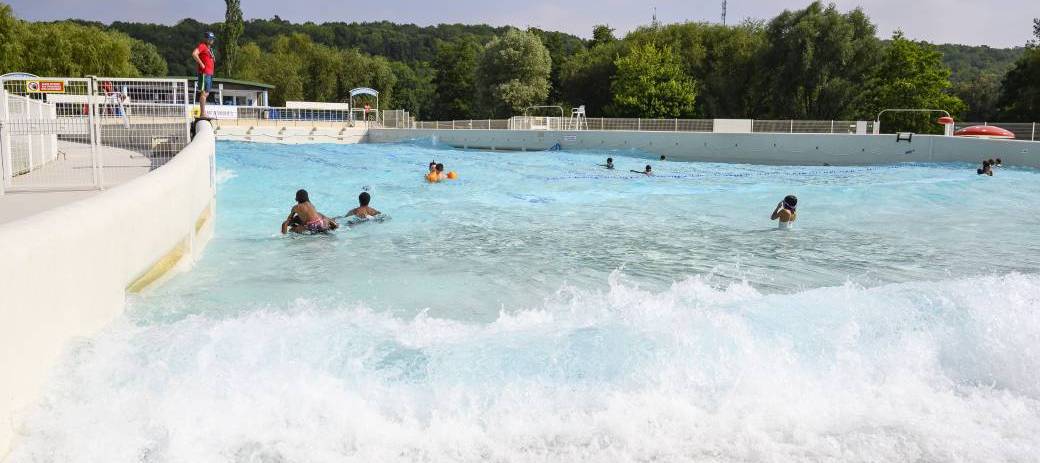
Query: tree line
(812, 63)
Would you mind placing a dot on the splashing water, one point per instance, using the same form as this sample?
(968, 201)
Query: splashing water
(366, 347)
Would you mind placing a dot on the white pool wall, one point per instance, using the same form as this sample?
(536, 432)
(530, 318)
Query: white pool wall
(66, 271)
(750, 148)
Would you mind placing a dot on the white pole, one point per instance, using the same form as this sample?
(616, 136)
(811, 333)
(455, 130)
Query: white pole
(5, 174)
(1033, 135)
(92, 119)
(792, 125)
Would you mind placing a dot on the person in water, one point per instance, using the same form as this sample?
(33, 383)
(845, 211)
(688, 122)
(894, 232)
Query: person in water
(786, 211)
(999, 163)
(364, 211)
(433, 167)
(662, 157)
(609, 164)
(441, 175)
(647, 171)
(304, 217)
(987, 169)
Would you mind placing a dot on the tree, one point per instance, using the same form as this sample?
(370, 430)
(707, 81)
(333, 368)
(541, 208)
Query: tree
(816, 60)
(513, 73)
(414, 90)
(650, 82)
(1020, 90)
(232, 31)
(10, 41)
(454, 74)
(910, 75)
(980, 95)
(602, 34)
(585, 77)
(146, 59)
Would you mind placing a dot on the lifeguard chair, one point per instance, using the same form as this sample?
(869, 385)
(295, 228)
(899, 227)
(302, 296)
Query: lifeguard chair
(578, 120)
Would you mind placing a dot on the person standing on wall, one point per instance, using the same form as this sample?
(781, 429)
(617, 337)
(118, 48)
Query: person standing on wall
(203, 55)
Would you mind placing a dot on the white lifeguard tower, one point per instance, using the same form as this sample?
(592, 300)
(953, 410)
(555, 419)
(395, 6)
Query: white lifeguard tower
(578, 119)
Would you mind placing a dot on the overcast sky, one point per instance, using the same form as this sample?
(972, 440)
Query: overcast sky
(1000, 24)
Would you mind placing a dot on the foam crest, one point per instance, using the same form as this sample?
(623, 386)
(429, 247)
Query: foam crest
(930, 371)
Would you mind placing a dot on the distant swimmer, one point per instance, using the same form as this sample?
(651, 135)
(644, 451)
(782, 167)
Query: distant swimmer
(786, 212)
(987, 169)
(305, 218)
(364, 211)
(432, 176)
(662, 157)
(647, 171)
(609, 164)
(999, 163)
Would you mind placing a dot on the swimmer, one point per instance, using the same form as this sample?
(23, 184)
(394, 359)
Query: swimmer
(305, 218)
(364, 211)
(999, 163)
(441, 175)
(786, 212)
(433, 167)
(662, 157)
(647, 171)
(987, 169)
(609, 164)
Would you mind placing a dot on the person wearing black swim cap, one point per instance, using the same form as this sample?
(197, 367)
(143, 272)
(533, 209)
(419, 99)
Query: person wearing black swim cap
(786, 212)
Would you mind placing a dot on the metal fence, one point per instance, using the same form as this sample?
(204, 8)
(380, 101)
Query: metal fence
(639, 124)
(83, 133)
(1022, 130)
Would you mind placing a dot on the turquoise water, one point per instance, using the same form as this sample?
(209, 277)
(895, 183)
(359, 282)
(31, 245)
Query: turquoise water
(543, 309)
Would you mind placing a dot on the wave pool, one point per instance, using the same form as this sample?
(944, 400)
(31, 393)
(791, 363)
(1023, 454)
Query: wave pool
(544, 309)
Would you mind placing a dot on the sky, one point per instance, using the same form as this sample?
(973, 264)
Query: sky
(1001, 24)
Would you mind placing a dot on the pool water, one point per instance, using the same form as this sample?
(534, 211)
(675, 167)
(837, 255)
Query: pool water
(542, 308)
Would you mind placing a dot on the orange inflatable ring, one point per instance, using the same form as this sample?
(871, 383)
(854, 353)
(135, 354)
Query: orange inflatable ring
(452, 175)
(431, 177)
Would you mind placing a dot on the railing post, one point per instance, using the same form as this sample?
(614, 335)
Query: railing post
(792, 126)
(95, 132)
(639, 124)
(1033, 136)
(832, 126)
(6, 173)
(489, 124)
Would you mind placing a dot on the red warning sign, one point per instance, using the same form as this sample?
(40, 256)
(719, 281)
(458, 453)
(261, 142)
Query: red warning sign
(44, 86)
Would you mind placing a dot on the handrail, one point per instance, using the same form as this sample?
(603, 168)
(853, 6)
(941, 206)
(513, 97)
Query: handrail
(540, 107)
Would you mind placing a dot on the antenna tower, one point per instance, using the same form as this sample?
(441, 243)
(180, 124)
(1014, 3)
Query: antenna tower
(723, 12)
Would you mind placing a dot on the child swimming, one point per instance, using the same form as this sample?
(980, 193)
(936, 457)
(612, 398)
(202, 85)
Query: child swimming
(786, 212)
(304, 217)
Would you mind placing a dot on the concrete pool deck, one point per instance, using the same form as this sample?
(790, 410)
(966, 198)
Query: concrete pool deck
(71, 171)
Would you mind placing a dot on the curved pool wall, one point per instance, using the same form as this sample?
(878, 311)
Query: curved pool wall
(66, 271)
(745, 148)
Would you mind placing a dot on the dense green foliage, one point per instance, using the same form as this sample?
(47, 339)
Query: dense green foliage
(69, 49)
(454, 72)
(230, 34)
(1020, 97)
(812, 63)
(650, 82)
(910, 75)
(513, 73)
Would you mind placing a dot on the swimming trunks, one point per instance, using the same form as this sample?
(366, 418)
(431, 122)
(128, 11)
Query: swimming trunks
(316, 225)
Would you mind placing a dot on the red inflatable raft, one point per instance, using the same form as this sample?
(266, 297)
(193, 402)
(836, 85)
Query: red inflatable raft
(984, 131)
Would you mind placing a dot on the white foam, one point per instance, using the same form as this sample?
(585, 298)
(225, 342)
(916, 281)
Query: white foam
(941, 371)
(225, 175)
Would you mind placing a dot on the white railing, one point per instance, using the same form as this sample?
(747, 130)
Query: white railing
(1022, 131)
(88, 133)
